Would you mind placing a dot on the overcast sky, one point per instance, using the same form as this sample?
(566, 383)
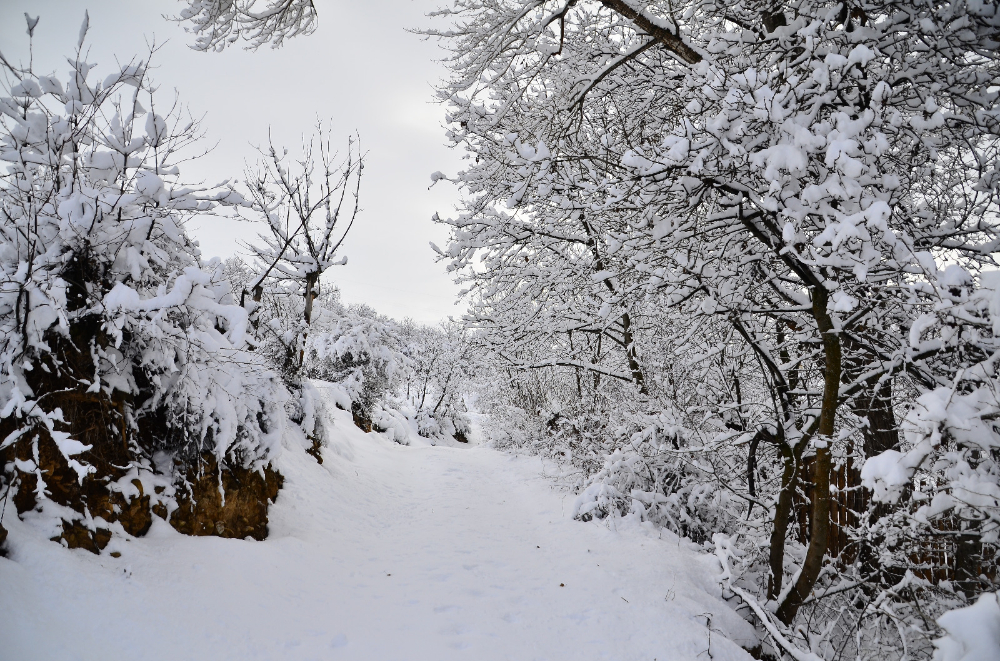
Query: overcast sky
(360, 70)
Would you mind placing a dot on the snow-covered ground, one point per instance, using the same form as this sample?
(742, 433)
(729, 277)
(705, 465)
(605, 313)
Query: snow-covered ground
(383, 552)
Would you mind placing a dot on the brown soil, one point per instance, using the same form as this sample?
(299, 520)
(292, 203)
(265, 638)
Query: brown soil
(241, 513)
(361, 419)
(78, 536)
(315, 450)
(201, 508)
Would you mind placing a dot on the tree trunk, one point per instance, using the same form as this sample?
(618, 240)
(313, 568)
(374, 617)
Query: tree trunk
(632, 355)
(311, 280)
(819, 537)
(882, 433)
(782, 514)
(874, 405)
(968, 560)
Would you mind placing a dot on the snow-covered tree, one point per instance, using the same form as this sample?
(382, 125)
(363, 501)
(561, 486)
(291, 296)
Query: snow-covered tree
(309, 207)
(358, 349)
(220, 23)
(798, 173)
(303, 205)
(435, 378)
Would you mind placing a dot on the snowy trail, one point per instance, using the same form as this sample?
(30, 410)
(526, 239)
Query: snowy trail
(384, 552)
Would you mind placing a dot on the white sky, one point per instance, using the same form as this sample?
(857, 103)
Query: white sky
(360, 71)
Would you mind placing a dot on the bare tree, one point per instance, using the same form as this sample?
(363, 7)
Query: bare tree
(309, 205)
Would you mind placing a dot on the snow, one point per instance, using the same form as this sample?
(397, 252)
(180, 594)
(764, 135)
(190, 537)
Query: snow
(382, 552)
(26, 87)
(973, 632)
(886, 474)
(69, 448)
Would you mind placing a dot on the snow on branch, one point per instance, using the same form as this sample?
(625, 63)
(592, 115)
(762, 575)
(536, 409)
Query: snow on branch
(217, 24)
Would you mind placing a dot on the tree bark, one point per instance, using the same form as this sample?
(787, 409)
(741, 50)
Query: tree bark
(631, 355)
(819, 537)
(671, 41)
(311, 281)
(782, 514)
(882, 433)
(968, 558)
(873, 404)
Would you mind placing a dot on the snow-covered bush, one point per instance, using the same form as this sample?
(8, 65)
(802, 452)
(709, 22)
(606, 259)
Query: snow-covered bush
(398, 372)
(617, 456)
(118, 344)
(357, 349)
(440, 363)
(656, 476)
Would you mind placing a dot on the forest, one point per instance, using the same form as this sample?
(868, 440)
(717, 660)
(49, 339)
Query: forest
(728, 270)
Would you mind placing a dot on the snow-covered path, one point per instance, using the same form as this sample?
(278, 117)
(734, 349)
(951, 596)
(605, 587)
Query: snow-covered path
(384, 552)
